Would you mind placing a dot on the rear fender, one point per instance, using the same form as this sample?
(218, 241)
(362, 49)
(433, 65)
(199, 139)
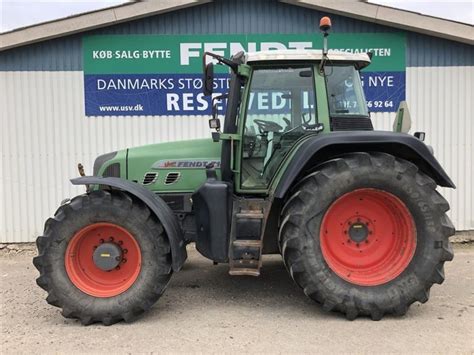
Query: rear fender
(314, 151)
(156, 205)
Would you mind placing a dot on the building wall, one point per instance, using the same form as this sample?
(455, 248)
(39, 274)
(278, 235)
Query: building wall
(45, 133)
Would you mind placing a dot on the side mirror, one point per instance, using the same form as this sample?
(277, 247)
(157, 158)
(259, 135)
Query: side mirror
(208, 80)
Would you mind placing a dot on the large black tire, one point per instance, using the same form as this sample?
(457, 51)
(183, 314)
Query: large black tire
(119, 209)
(300, 234)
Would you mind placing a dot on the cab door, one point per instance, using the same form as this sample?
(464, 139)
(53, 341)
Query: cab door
(279, 107)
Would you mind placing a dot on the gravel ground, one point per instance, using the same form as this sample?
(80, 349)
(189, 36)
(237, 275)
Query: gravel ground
(206, 310)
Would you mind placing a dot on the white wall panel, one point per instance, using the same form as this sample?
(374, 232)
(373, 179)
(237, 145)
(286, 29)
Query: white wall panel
(44, 134)
(383, 121)
(441, 104)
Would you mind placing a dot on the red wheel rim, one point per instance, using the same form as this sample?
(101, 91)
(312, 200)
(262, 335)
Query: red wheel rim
(368, 237)
(84, 273)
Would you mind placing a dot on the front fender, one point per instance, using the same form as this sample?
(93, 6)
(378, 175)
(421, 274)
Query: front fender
(156, 205)
(322, 147)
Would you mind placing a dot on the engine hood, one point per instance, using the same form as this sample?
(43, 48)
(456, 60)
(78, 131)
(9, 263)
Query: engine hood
(173, 166)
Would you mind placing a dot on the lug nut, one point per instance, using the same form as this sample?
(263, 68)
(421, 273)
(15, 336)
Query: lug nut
(120, 242)
(117, 268)
(125, 251)
(124, 261)
(111, 239)
(101, 241)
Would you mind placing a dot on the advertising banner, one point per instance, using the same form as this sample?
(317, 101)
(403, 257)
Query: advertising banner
(143, 75)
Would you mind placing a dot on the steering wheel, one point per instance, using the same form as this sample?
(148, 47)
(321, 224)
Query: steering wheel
(268, 126)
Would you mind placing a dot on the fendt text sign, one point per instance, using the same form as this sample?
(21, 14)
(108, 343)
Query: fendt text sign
(141, 75)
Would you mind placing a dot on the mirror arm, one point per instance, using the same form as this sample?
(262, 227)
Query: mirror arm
(214, 105)
(234, 66)
(218, 98)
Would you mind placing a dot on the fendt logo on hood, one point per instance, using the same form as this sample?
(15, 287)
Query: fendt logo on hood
(186, 164)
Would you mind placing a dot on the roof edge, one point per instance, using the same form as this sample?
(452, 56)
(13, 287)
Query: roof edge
(357, 9)
(392, 17)
(91, 20)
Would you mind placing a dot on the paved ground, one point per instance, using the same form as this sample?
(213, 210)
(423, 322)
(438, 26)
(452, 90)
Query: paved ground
(201, 312)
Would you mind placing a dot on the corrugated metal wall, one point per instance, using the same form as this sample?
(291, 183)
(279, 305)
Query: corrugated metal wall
(44, 132)
(441, 104)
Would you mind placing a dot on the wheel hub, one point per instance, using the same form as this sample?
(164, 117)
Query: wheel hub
(107, 256)
(358, 232)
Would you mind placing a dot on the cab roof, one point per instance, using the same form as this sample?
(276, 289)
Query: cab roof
(360, 59)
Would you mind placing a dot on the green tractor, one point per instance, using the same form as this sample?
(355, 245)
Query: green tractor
(297, 169)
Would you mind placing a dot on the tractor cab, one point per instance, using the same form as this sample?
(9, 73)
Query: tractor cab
(289, 96)
(277, 98)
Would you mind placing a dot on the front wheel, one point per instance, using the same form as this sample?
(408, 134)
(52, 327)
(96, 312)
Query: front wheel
(103, 258)
(366, 234)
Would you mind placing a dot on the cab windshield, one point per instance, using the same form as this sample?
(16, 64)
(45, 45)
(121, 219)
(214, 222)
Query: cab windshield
(344, 89)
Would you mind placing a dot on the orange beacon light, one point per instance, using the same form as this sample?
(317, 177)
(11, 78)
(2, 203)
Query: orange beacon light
(325, 24)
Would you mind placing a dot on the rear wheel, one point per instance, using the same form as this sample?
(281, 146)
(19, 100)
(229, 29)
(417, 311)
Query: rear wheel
(366, 234)
(103, 258)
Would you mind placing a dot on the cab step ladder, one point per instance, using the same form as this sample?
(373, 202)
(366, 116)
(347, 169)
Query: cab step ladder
(246, 240)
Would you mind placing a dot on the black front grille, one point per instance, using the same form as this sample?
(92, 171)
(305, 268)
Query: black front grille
(351, 124)
(113, 170)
